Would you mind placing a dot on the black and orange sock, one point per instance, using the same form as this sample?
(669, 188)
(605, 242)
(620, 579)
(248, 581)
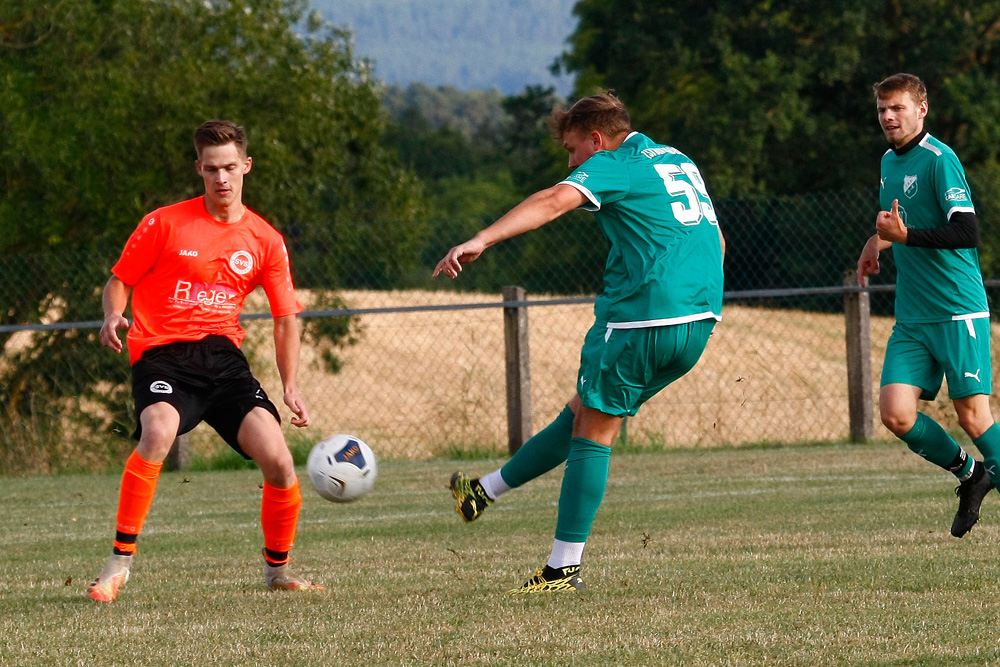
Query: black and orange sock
(279, 517)
(125, 544)
(136, 497)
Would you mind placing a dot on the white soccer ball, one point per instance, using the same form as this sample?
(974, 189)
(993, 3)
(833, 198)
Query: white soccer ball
(342, 468)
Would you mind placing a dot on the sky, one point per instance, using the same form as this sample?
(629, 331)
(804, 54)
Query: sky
(467, 44)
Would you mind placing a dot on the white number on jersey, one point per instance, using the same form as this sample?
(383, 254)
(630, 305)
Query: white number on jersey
(684, 180)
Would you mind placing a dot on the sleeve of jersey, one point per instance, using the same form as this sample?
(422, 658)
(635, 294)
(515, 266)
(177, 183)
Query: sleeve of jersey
(953, 191)
(601, 179)
(141, 251)
(277, 282)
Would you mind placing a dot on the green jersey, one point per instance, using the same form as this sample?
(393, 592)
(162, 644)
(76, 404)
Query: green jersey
(665, 262)
(932, 285)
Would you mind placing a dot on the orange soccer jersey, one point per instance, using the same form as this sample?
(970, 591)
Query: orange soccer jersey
(190, 274)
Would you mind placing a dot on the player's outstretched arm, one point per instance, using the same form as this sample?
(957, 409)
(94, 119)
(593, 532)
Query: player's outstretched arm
(286, 354)
(114, 301)
(540, 208)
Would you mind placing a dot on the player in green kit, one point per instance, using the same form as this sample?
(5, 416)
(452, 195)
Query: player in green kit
(942, 325)
(661, 299)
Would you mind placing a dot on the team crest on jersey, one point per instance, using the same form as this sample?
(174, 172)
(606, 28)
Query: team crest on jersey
(241, 262)
(956, 194)
(909, 186)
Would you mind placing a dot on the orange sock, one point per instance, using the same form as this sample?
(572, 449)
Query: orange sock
(138, 487)
(279, 517)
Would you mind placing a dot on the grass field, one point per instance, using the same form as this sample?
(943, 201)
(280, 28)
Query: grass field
(810, 555)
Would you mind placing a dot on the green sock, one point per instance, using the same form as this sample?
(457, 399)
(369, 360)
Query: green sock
(989, 445)
(932, 442)
(543, 451)
(583, 487)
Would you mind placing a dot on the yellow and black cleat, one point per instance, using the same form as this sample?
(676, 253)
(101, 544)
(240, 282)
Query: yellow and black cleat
(552, 580)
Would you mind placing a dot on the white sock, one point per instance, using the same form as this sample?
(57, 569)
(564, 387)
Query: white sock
(565, 554)
(493, 484)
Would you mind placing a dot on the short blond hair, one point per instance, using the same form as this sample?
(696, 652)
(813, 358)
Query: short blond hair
(603, 112)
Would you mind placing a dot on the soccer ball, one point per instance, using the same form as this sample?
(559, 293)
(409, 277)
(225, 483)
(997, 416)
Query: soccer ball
(342, 468)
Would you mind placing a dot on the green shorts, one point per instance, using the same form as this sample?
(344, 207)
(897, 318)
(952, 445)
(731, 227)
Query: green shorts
(620, 369)
(921, 355)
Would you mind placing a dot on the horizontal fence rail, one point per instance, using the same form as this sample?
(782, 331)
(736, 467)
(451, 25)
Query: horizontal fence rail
(568, 301)
(419, 371)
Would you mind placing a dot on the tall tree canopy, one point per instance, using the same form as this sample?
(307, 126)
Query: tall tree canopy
(99, 104)
(101, 99)
(777, 97)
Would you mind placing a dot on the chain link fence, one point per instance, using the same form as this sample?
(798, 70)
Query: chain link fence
(416, 366)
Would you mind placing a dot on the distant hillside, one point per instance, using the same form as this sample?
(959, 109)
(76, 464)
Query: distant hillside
(468, 44)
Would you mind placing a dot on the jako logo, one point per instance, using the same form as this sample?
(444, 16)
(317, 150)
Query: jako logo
(241, 262)
(161, 387)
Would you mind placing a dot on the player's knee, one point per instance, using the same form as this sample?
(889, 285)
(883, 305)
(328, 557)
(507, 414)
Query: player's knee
(897, 421)
(975, 423)
(277, 465)
(156, 440)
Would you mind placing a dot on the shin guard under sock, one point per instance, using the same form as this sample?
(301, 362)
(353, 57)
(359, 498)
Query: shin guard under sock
(932, 442)
(541, 453)
(279, 517)
(583, 486)
(989, 446)
(134, 500)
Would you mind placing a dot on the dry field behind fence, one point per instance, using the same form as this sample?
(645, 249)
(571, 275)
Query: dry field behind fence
(416, 385)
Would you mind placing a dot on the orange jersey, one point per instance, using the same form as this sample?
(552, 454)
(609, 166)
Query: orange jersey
(190, 274)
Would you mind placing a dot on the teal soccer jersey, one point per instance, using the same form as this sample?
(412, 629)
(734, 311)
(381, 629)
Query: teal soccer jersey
(932, 285)
(665, 262)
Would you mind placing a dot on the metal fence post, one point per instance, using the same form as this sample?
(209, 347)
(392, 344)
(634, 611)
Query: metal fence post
(179, 456)
(515, 321)
(857, 325)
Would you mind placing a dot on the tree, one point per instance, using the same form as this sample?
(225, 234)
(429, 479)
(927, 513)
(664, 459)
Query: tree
(100, 102)
(777, 98)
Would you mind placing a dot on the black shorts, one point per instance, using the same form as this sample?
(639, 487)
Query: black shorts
(205, 380)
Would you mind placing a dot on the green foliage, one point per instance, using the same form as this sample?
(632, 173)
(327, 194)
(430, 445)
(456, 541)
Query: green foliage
(474, 173)
(778, 100)
(470, 111)
(100, 102)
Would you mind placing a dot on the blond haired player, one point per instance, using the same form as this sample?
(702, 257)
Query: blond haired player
(661, 299)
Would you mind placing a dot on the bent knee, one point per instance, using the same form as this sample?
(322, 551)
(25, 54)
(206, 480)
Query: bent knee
(900, 422)
(278, 467)
(975, 424)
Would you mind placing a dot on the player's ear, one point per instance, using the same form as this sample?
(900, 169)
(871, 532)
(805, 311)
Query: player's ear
(247, 165)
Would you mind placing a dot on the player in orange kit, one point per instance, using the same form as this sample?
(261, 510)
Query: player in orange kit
(188, 268)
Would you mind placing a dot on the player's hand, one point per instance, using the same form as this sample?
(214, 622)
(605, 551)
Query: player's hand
(868, 262)
(109, 331)
(464, 253)
(298, 408)
(889, 225)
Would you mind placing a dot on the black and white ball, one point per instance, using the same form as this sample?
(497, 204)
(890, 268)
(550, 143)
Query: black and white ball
(342, 468)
